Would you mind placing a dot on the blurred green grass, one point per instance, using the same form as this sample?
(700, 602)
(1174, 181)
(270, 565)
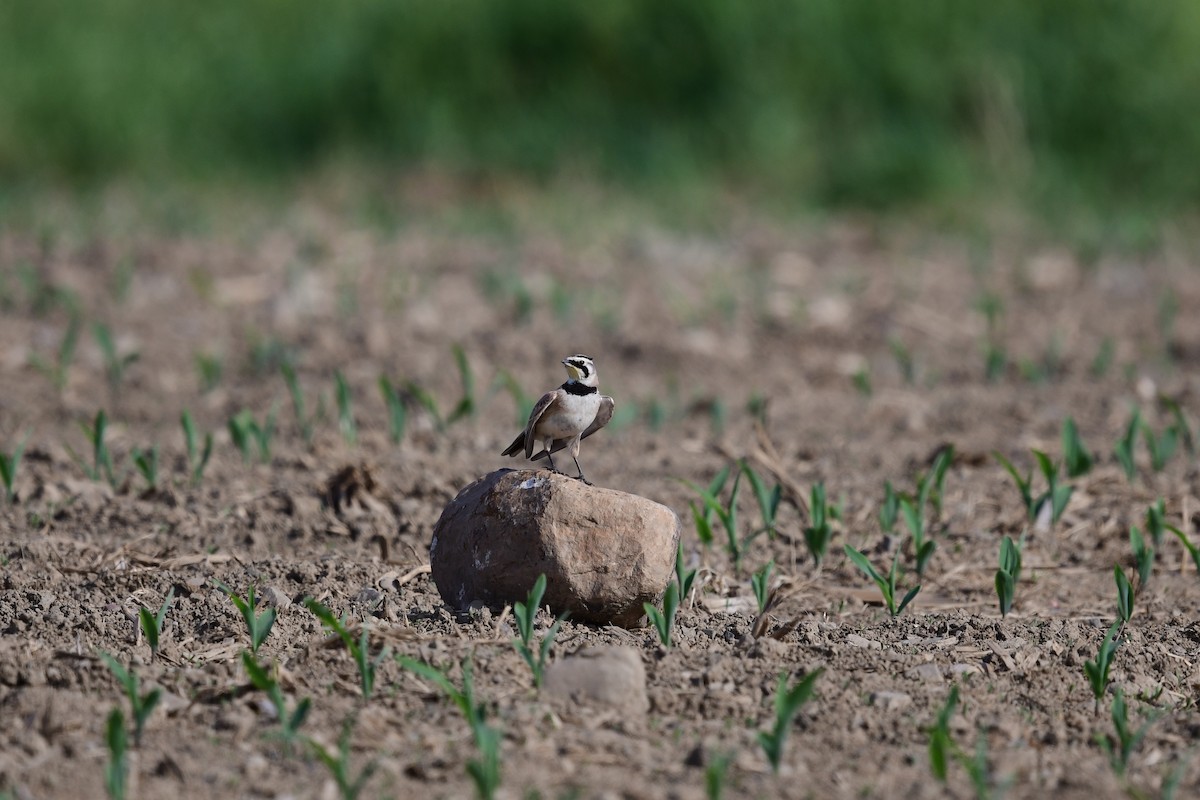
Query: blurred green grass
(829, 103)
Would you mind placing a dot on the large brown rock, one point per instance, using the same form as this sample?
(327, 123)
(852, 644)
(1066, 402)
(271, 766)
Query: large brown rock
(603, 552)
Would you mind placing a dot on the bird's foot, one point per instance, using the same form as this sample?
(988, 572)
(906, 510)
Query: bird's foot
(580, 477)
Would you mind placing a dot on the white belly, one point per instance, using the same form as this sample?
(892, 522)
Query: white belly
(573, 415)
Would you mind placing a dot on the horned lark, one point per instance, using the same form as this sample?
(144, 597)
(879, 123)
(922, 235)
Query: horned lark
(563, 417)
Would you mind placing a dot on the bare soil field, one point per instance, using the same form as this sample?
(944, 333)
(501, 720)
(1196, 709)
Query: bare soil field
(842, 353)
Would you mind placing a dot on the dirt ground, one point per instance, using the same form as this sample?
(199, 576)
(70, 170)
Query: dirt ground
(696, 330)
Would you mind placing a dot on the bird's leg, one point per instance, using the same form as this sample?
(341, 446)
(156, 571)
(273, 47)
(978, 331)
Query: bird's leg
(580, 477)
(550, 458)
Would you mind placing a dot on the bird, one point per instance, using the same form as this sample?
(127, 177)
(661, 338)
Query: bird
(566, 415)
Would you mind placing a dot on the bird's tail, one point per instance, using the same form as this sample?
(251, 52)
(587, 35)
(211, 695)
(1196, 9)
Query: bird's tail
(518, 445)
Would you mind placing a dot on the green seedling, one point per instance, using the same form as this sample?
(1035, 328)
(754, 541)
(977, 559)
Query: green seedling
(1124, 595)
(1182, 429)
(1156, 522)
(702, 514)
(116, 771)
(887, 585)
(1120, 747)
(359, 649)
(152, 623)
(258, 625)
(57, 372)
(819, 532)
(1192, 549)
(245, 431)
(862, 382)
(1161, 447)
(521, 401)
(265, 682)
(525, 614)
(102, 465)
(397, 413)
(9, 464)
(197, 457)
(484, 771)
(419, 395)
(1098, 671)
(115, 363)
(1056, 496)
(466, 406)
(209, 370)
(941, 745)
(904, 360)
(1143, 556)
(889, 511)
(735, 545)
(930, 486)
(1024, 484)
(664, 621)
(922, 547)
(146, 462)
(1124, 447)
(768, 499)
(1076, 457)
(305, 422)
(714, 776)
(1104, 358)
(1008, 574)
(349, 786)
(760, 582)
(345, 408)
(788, 701)
(757, 407)
(684, 577)
(995, 361)
(140, 705)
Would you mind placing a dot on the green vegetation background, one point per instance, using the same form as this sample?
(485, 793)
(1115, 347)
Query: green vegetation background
(829, 103)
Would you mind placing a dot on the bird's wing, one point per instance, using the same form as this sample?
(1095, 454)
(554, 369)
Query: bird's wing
(603, 417)
(543, 405)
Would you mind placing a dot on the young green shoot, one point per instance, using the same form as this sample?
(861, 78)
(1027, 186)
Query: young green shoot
(146, 462)
(1104, 358)
(1143, 556)
(702, 514)
(338, 763)
(760, 582)
(1160, 447)
(424, 399)
(397, 413)
(1124, 447)
(263, 680)
(1182, 429)
(768, 499)
(116, 771)
(484, 771)
(735, 545)
(664, 621)
(140, 705)
(1156, 522)
(152, 623)
(1124, 595)
(714, 776)
(1024, 483)
(862, 382)
(1192, 549)
(466, 405)
(521, 401)
(102, 461)
(305, 422)
(197, 455)
(525, 614)
(1076, 458)
(941, 744)
(904, 360)
(1119, 747)
(1008, 574)
(684, 577)
(359, 649)
(258, 625)
(819, 532)
(922, 547)
(245, 431)
(788, 701)
(115, 363)
(10, 463)
(889, 510)
(931, 485)
(1098, 671)
(209, 370)
(887, 585)
(346, 423)
(1055, 497)
(57, 372)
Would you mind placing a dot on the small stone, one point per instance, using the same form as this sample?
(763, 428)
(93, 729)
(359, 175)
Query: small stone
(854, 640)
(275, 598)
(604, 553)
(612, 677)
(890, 701)
(926, 673)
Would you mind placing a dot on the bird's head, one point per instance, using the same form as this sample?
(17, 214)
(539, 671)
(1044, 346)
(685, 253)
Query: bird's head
(581, 369)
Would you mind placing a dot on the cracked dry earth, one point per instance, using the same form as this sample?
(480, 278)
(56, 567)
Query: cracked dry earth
(688, 330)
